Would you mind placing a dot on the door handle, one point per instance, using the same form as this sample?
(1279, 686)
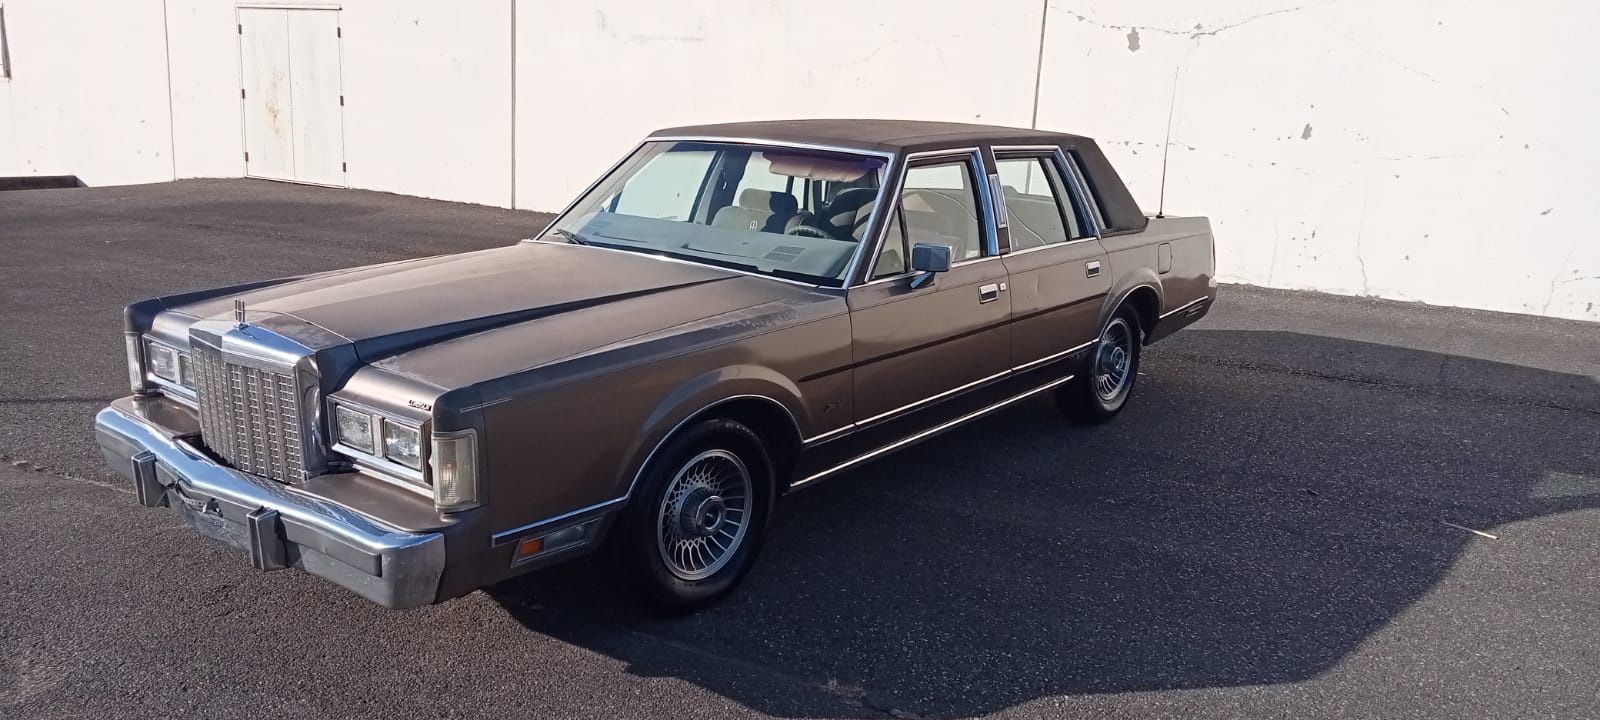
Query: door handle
(1091, 268)
(988, 293)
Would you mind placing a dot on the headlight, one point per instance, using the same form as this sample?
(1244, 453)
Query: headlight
(164, 362)
(402, 444)
(454, 463)
(168, 363)
(352, 428)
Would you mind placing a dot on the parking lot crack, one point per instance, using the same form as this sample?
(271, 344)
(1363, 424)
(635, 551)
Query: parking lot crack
(23, 465)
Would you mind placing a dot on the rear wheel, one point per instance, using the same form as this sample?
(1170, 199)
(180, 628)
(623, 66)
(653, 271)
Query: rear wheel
(696, 526)
(1106, 378)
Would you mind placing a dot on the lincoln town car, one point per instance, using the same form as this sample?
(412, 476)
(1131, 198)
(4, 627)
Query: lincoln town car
(730, 314)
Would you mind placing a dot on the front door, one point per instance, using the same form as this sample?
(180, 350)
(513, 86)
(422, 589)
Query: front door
(916, 345)
(292, 94)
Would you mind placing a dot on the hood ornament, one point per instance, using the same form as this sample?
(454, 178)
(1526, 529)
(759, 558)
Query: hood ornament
(238, 313)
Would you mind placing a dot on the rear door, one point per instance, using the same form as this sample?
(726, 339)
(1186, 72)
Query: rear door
(1053, 255)
(915, 346)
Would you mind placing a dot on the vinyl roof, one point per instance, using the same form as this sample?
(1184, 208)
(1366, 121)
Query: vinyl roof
(883, 135)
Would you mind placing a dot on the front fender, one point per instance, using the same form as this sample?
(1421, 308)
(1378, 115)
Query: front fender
(703, 394)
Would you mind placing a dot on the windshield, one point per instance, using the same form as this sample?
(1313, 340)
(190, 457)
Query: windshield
(789, 213)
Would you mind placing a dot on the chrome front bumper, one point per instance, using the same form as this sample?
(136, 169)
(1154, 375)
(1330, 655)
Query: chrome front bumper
(279, 526)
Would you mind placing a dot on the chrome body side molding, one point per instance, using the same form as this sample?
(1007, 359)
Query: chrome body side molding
(930, 432)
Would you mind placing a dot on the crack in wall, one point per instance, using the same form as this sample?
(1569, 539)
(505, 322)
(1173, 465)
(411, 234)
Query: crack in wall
(1550, 297)
(1361, 226)
(1195, 33)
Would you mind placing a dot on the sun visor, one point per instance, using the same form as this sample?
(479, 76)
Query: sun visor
(822, 167)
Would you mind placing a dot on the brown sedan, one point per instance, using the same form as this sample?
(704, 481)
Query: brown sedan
(731, 313)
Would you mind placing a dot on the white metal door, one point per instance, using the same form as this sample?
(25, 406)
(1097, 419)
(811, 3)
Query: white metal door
(292, 96)
(264, 60)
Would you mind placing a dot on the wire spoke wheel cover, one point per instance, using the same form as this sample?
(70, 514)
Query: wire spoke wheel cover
(1113, 361)
(704, 514)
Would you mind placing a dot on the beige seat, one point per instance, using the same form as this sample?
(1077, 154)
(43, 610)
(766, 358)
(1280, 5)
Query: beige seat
(758, 211)
(844, 209)
(1035, 220)
(860, 220)
(937, 218)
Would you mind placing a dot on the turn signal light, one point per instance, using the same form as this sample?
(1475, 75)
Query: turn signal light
(558, 540)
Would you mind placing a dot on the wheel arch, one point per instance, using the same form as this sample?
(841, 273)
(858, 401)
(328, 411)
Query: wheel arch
(1143, 291)
(761, 398)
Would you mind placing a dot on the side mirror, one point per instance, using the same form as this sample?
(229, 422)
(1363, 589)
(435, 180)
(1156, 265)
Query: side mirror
(928, 260)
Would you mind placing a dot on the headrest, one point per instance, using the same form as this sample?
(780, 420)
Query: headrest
(858, 225)
(852, 198)
(842, 209)
(779, 203)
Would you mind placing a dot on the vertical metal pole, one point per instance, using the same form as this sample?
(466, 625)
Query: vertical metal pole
(513, 203)
(1038, 67)
(172, 132)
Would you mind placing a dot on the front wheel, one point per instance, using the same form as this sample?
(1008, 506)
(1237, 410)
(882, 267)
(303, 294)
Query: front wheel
(1108, 374)
(696, 525)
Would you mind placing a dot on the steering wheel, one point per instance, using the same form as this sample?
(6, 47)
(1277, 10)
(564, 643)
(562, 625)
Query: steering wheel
(808, 231)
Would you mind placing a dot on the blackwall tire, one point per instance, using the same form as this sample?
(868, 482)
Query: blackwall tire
(698, 519)
(1106, 378)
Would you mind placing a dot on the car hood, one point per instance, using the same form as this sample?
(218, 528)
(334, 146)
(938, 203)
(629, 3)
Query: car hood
(386, 310)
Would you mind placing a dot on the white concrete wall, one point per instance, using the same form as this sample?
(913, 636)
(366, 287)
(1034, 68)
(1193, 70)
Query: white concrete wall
(427, 86)
(595, 77)
(88, 91)
(1439, 151)
(207, 136)
(428, 98)
(427, 95)
(1432, 150)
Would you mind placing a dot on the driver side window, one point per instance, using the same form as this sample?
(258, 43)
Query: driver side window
(939, 206)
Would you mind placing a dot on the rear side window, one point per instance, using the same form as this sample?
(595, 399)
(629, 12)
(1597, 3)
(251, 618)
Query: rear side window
(1076, 164)
(1037, 203)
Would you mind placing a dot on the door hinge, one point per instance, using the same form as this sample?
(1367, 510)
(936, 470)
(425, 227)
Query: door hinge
(344, 167)
(338, 32)
(341, 101)
(241, 28)
(247, 156)
(241, 93)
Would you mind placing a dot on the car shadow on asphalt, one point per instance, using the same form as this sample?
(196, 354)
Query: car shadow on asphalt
(1268, 502)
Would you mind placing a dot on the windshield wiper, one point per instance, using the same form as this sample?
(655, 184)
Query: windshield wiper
(569, 236)
(697, 258)
(712, 261)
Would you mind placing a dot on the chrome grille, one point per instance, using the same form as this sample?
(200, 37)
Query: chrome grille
(249, 417)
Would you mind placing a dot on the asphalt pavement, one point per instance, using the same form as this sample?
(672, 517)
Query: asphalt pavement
(1315, 506)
